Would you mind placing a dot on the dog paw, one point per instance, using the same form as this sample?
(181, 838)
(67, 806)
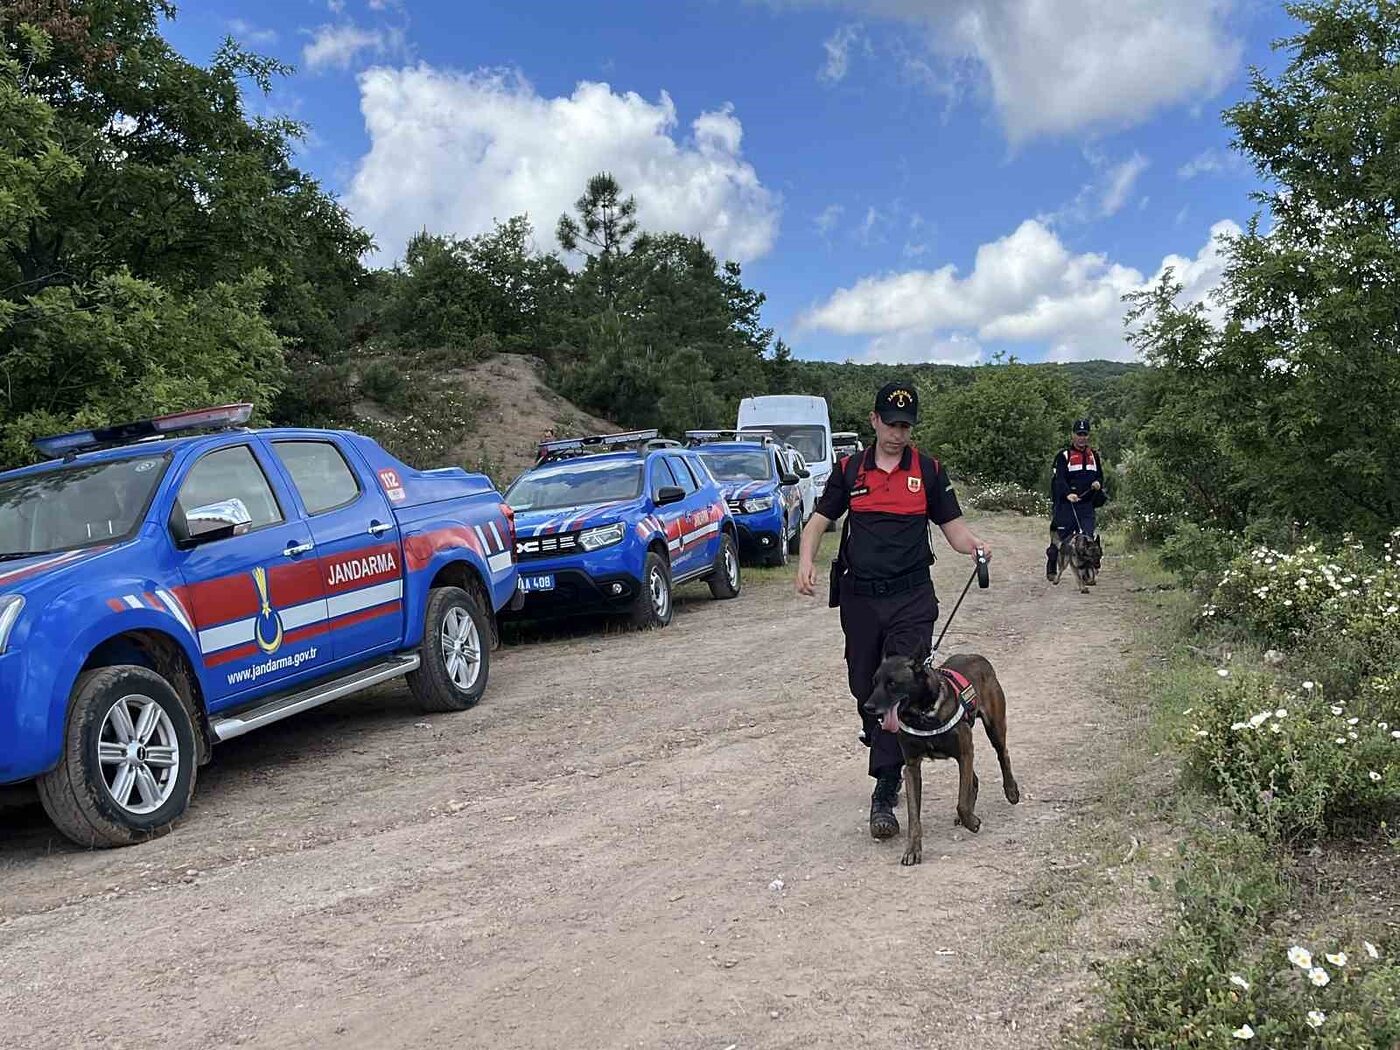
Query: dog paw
(971, 821)
(1013, 792)
(913, 855)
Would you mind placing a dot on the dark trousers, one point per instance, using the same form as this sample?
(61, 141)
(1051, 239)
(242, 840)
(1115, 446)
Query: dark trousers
(876, 627)
(1065, 524)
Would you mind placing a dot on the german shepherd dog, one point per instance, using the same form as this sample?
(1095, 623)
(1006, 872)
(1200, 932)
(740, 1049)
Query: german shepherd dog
(909, 694)
(1084, 554)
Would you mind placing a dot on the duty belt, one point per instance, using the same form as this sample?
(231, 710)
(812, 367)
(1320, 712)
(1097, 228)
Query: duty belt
(894, 585)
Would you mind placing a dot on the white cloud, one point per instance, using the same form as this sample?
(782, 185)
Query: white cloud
(248, 33)
(828, 218)
(1056, 68)
(454, 151)
(838, 53)
(338, 45)
(336, 6)
(1102, 196)
(908, 348)
(1025, 288)
(1213, 162)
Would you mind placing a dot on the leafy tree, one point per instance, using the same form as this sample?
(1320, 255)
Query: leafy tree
(603, 232)
(1006, 425)
(1298, 388)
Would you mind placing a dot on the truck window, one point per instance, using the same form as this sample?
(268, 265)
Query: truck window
(319, 472)
(230, 473)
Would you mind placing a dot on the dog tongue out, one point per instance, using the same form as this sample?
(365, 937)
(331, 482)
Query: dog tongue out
(890, 723)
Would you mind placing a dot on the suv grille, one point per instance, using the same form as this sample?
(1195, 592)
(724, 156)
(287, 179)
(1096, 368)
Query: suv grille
(549, 546)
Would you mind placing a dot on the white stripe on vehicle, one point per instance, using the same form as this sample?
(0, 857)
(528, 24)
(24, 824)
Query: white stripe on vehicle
(365, 598)
(481, 538)
(300, 615)
(176, 609)
(227, 635)
(500, 543)
(133, 602)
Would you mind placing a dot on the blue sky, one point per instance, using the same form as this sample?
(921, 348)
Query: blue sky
(907, 180)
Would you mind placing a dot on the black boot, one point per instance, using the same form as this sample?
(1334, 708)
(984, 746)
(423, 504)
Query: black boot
(1052, 562)
(883, 823)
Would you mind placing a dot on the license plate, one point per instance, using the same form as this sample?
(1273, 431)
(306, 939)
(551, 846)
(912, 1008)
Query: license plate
(537, 583)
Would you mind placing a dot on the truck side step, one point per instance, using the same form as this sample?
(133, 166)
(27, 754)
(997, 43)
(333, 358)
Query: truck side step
(226, 727)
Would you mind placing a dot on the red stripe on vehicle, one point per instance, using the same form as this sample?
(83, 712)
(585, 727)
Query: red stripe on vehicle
(420, 550)
(294, 584)
(238, 652)
(361, 568)
(350, 619)
(227, 598)
(309, 631)
(116, 605)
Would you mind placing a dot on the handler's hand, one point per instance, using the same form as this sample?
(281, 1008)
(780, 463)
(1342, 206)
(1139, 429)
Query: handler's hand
(1072, 498)
(807, 580)
(985, 547)
(1096, 486)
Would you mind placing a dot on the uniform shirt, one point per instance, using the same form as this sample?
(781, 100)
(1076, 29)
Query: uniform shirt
(889, 512)
(1076, 470)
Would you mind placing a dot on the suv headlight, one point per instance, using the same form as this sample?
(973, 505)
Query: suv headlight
(758, 506)
(603, 536)
(10, 605)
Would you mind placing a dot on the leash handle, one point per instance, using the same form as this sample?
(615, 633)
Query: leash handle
(984, 573)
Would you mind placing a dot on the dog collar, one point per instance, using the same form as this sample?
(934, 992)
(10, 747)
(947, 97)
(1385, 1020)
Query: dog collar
(967, 706)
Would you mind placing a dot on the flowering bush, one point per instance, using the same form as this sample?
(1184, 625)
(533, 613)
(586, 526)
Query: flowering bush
(1280, 596)
(1007, 495)
(1212, 982)
(1293, 765)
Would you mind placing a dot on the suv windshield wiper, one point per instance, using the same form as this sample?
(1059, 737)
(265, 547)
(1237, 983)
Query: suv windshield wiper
(16, 555)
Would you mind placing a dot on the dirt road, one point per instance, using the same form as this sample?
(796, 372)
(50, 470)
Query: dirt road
(592, 857)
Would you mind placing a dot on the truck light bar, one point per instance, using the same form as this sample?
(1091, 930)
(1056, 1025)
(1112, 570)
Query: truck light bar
(564, 448)
(221, 417)
(701, 437)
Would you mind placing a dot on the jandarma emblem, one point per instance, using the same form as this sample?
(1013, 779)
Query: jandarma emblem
(901, 397)
(267, 622)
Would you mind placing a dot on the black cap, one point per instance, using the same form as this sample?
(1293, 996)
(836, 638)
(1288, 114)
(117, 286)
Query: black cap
(898, 403)
(1081, 426)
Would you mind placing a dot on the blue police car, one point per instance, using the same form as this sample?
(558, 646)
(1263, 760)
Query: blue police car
(174, 582)
(761, 487)
(615, 523)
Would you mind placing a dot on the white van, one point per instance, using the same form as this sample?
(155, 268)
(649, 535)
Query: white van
(798, 420)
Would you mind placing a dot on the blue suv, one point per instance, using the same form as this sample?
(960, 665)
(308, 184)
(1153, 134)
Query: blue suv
(761, 487)
(614, 523)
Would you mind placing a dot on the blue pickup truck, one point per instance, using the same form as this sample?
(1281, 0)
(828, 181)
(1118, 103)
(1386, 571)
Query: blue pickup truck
(613, 523)
(175, 582)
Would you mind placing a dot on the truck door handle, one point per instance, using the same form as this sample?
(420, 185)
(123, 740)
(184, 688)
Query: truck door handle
(378, 528)
(293, 549)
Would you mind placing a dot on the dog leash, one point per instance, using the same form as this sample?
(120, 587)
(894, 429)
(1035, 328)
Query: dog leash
(982, 574)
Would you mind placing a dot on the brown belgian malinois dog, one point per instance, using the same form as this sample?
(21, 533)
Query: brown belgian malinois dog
(911, 698)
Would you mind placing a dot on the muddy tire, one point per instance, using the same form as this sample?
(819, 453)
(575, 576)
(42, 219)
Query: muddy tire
(725, 580)
(130, 759)
(652, 606)
(456, 654)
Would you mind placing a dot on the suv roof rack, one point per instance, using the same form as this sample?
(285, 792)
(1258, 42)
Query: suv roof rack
(220, 417)
(569, 448)
(750, 436)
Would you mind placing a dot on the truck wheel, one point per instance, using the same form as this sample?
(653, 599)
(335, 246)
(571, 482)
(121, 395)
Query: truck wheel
(724, 580)
(456, 653)
(652, 606)
(129, 759)
(778, 556)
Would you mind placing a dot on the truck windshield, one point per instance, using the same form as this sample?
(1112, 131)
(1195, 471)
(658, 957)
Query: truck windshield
(575, 484)
(77, 506)
(807, 439)
(739, 466)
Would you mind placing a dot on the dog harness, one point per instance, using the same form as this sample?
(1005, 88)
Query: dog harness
(967, 705)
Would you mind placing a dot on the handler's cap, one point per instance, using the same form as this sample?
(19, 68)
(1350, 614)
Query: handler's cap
(898, 403)
(1081, 426)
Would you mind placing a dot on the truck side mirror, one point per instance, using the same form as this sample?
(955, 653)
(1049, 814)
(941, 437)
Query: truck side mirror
(212, 521)
(669, 494)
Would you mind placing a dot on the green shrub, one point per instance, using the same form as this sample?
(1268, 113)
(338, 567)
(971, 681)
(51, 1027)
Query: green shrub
(1007, 495)
(1291, 765)
(1217, 980)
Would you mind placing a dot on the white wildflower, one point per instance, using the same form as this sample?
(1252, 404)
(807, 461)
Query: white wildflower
(1308, 685)
(1341, 740)
(1374, 775)
(1300, 957)
(1340, 959)
(1255, 721)
(1243, 1032)
(1282, 712)
(1240, 725)
(1352, 721)
(1222, 672)
(1335, 709)
(1239, 982)
(1371, 949)
(1315, 1018)
(1318, 976)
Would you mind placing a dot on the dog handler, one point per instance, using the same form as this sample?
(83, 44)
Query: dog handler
(1077, 491)
(880, 578)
